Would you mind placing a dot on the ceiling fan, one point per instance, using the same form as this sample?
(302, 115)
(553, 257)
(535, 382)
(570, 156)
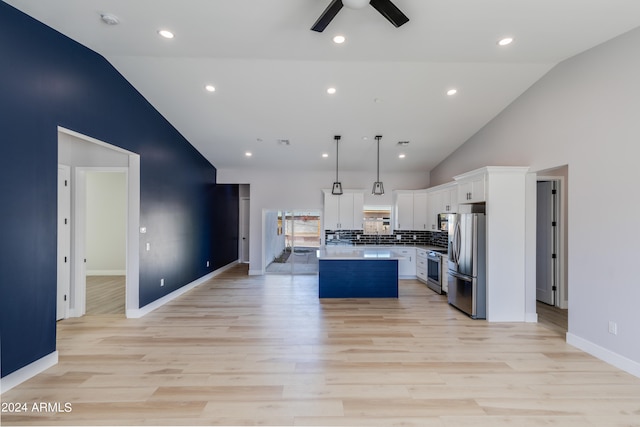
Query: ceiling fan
(385, 7)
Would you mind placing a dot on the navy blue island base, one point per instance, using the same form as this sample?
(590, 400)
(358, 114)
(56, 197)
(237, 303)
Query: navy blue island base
(358, 278)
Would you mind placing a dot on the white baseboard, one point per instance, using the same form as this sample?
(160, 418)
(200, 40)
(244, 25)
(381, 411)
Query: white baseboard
(531, 317)
(106, 272)
(29, 371)
(140, 312)
(255, 272)
(605, 355)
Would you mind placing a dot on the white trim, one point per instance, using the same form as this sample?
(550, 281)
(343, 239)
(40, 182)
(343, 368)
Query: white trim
(561, 299)
(531, 317)
(132, 273)
(28, 372)
(140, 312)
(256, 272)
(604, 354)
(106, 272)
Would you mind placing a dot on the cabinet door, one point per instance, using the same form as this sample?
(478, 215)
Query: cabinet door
(472, 191)
(358, 211)
(345, 209)
(435, 205)
(451, 200)
(331, 211)
(404, 211)
(478, 190)
(406, 265)
(420, 216)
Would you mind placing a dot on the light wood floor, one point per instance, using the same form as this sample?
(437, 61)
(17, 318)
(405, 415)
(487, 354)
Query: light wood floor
(105, 295)
(552, 317)
(264, 350)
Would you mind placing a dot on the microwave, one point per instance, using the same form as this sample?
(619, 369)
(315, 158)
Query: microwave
(443, 222)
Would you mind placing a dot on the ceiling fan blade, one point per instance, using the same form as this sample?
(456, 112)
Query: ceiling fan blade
(327, 16)
(390, 11)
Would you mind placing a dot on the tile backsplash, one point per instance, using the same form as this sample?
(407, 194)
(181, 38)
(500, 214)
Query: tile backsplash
(422, 237)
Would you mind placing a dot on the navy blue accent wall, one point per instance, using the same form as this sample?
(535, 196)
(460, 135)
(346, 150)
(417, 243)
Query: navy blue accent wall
(48, 80)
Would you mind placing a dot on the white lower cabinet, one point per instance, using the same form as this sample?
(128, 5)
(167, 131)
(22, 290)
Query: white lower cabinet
(421, 265)
(406, 265)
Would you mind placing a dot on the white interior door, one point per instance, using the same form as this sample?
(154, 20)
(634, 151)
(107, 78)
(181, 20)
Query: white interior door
(546, 242)
(64, 242)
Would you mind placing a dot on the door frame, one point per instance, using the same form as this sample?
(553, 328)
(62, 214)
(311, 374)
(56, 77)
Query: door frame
(78, 231)
(64, 242)
(561, 300)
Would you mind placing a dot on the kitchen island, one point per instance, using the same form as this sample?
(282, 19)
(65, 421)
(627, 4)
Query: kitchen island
(348, 272)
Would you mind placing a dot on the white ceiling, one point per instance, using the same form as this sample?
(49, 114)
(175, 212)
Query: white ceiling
(271, 72)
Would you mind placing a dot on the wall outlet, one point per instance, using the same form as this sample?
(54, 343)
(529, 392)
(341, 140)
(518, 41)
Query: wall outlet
(357, 237)
(161, 282)
(143, 230)
(414, 237)
(398, 237)
(613, 327)
(148, 246)
(207, 263)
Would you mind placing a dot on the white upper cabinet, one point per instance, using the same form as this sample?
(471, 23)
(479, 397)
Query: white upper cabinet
(420, 210)
(403, 209)
(441, 199)
(343, 212)
(471, 187)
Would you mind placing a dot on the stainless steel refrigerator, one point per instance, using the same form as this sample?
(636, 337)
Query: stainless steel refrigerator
(466, 267)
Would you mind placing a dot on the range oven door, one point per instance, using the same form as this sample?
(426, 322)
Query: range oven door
(434, 266)
(463, 293)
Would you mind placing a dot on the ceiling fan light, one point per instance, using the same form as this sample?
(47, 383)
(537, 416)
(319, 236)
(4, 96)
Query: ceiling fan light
(355, 4)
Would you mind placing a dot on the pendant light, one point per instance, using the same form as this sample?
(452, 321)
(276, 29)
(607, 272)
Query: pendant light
(337, 186)
(378, 188)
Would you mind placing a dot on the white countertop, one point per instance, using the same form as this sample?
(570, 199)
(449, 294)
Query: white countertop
(357, 254)
(366, 252)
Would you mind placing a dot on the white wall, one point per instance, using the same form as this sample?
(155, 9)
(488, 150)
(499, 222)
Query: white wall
(273, 242)
(106, 223)
(585, 113)
(303, 190)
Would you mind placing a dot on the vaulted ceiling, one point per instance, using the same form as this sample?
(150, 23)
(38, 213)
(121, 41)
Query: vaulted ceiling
(271, 72)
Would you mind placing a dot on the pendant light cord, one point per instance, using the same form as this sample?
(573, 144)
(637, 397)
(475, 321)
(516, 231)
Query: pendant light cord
(378, 170)
(337, 138)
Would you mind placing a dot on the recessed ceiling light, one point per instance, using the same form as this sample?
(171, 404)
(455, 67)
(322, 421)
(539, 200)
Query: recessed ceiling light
(109, 19)
(505, 41)
(339, 39)
(248, 154)
(331, 90)
(401, 156)
(452, 92)
(325, 155)
(210, 88)
(166, 34)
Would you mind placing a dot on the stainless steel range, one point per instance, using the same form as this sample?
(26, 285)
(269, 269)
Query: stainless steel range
(434, 271)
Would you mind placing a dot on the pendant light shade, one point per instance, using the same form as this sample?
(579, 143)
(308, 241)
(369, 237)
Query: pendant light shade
(378, 187)
(337, 185)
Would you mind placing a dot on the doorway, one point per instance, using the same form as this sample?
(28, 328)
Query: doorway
(86, 155)
(551, 250)
(105, 243)
(292, 238)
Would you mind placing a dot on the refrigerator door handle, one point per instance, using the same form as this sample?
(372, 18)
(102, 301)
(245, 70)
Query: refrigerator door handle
(461, 276)
(456, 243)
